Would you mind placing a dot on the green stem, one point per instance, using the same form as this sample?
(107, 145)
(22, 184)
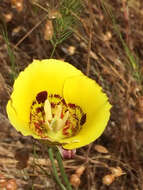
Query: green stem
(60, 163)
(55, 173)
(54, 47)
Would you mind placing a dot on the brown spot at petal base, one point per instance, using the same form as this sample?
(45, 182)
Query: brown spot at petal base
(83, 119)
(41, 97)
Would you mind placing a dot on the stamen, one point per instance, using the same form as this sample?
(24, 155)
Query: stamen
(59, 125)
(48, 111)
(53, 123)
(58, 112)
(61, 122)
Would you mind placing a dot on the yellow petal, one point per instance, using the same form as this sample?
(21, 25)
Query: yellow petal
(46, 75)
(86, 93)
(17, 122)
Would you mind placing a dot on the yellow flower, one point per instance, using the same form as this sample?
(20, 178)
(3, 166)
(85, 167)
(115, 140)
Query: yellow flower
(54, 101)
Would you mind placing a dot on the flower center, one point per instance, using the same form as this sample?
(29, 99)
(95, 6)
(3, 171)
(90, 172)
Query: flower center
(51, 118)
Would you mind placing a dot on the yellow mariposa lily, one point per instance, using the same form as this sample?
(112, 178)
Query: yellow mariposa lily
(54, 101)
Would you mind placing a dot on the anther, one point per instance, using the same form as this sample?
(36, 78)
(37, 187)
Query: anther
(58, 112)
(48, 112)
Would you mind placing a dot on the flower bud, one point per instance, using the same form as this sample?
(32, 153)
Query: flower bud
(108, 179)
(71, 50)
(75, 180)
(11, 185)
(8, 17)
(80, 171)
(17, 4)
(48, 30)
(67, 154)
(101, 149)
(116, 171)
(2, 181)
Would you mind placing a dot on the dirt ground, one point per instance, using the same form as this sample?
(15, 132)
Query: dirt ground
(107, 45)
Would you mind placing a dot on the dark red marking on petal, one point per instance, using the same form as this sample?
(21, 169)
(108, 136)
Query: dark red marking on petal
(40, 122)
(38, 128)
(65, 132)
(30, 116)
(66, 127)
(75, 117)
(83, 119)
(53, 105)
(73, 128)
(63, 101)
(41, 97)
(39, 109)
(73, 106)
(67, 122)
(33, 103)
(79, 108)
(37, 125)
(62, 115)
(57, 96)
